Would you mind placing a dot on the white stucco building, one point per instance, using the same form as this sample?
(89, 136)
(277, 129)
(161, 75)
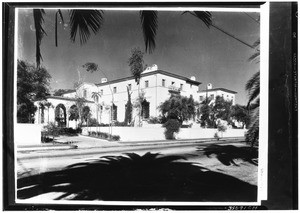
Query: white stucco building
(156, 85)
(212, 93)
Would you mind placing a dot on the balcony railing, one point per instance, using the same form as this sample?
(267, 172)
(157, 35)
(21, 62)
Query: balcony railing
(174, 89)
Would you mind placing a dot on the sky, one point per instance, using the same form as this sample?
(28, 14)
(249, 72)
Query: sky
(184, 46)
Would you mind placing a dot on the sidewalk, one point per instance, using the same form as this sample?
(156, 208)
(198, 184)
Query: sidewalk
(86, 142)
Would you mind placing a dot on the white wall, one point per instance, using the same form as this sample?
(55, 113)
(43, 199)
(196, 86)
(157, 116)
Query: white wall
(156, 132)
(27, 134)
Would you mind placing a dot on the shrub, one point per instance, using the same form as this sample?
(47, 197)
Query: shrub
(171, 126)
(45, 137)
(154, 120)
(216, 136)
(67, 131)
(117, 123)
(93, 122)
(115, 138)
(79, 130)
(52, 129)
(222, 127)
(104, 135)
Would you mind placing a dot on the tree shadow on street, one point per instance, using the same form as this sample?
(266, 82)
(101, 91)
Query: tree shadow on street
(226, 154)
(150, 177)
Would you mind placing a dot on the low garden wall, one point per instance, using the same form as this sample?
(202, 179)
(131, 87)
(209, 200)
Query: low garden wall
(157, 133)
(27, 134)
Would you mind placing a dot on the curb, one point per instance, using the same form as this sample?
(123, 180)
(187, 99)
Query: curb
(125, 144)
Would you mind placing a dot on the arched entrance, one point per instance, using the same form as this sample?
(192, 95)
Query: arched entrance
(73, 116)
(60, 115)
(73, 113)
(86, 114)
(145, 109)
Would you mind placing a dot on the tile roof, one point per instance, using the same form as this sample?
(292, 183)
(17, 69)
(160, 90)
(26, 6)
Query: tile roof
(65, 98)
(222, 89)
(188, 80)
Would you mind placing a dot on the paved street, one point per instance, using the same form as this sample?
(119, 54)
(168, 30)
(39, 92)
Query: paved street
(209, 170)
(37, 161)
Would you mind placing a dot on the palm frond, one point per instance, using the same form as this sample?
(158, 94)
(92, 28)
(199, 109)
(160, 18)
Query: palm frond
(256, 43)
(254, 57)
(84, 21)
(254, 94)
(62, 19)
(39, 32)
(149, 25)
(204, 16)
(91, 67)
(252, 81)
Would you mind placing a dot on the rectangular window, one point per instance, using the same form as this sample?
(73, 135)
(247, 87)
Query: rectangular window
(201, 98)
(115, 90)
(212, 96)
(163, 83)
(172, 83)
(181, 86)
(129, 86)
(146, 84)
(101, 92)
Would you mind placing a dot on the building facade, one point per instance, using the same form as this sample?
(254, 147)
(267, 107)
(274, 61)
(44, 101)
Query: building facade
(107, 100)
(211, 93)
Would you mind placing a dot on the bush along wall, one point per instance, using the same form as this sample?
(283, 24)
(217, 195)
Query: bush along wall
(104, 135)
(172, 126)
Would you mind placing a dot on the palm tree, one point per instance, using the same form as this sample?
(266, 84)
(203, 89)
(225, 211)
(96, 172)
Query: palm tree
(253, 89)
(93, 67)
(136, 64)
(85, 21)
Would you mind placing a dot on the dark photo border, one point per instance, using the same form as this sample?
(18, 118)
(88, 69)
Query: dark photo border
(283, 108)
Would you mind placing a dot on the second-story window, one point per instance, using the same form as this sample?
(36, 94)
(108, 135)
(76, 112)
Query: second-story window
(101, 92)
(115, 90)
(84, 93)
(129, 86)
(201, 98)
(146, 84)
(163, 82)
(181, 86)
(212, 96)
(172, 83)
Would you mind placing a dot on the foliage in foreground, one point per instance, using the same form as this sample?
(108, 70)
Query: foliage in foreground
(150, 177)
(253, 89)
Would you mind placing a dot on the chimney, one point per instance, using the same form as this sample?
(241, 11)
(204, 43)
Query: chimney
(103, 80)
(209, 86)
